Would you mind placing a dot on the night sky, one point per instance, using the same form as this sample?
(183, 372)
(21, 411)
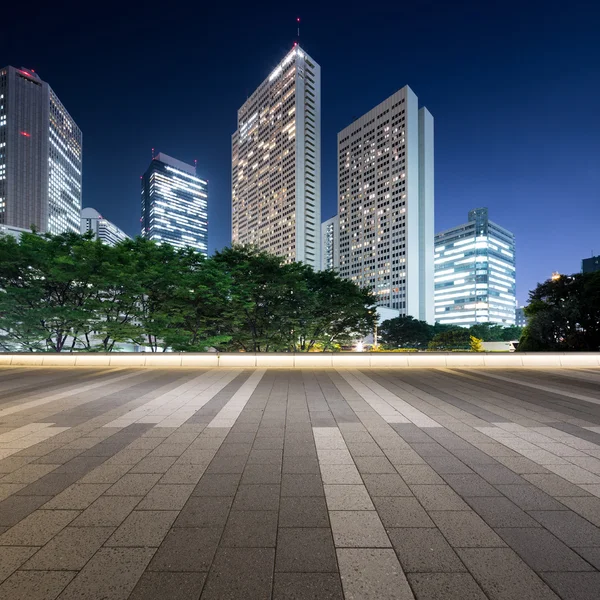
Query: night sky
(514, 89)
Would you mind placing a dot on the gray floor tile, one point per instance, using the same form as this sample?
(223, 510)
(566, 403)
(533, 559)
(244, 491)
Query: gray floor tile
(569, 527)
(186, 549)
(12, 557)
(303, 511)
(438, 497)
(166, 497)
(465, 529)
(529, 497)
(554, 485)
(307, 586)
(217, 484)
(38, 528)
(257, 497)
(301, 484)
(305, 550)
(107, 511)
(168, 586)
(446, 586)
(470, 484)
(386, 484)
(250, 529)
(204, 511)
(574, 586)
(145, 528)
(358, 529)
(35, 585)
(501, 512)
(402, 512)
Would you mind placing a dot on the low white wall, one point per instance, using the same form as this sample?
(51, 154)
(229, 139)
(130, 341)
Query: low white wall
(313, 360)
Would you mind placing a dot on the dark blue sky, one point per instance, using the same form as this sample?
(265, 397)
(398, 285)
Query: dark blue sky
(514, 88)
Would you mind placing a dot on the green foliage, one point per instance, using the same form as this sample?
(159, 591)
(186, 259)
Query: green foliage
(405, 332)
(476, 344)
(492, 332)
(564, 314)
(453, 339)
(71, 293)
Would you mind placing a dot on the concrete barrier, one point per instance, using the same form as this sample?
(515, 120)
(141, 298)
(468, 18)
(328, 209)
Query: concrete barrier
(312, 360)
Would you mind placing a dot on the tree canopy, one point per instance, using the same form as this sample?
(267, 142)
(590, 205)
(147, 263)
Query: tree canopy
(564, 314)
(72, 293)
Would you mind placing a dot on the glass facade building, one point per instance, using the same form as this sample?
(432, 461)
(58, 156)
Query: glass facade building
(330, 244)
(475, 273)
(590, 265)
(276, 163)
(175, 204)
(40, 156)
(103, 229)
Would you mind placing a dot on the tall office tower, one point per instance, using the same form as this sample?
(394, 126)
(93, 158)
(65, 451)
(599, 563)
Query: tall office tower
(590, 265)
(520, 317)
(175, 204)
(475, 273)
(385, 204)
(330, 244)
(40, 156)
(103, 229)
(276, 163)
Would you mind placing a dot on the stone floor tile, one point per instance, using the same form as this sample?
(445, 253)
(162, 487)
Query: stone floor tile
(373, 464)
(446, 586)
(521, 465)
(529, 497)
(386, 484)
(574, 586)
(217, 484)
(35, 585)
(168, 586)
(240, 573)
(28, 473)
(255, 474)
(105, 474)
(438, 497)
(470, 484)
(145, 528)
(499, 511)
(503, 575)
(125, 566)
(257, 497)
(70, 549)
(402, 512)
(569, 527)
(186, 549)
(588, 508)
(340, 474)
(38, 528)
(15, 508)
(358, 529)
(424, 550)
(8, 489)
(372, 574)
(555, 485)
(364, 449)
(107, 511)
(250, 529)
(348, 497)
(77, 497)
(307, 586)
(138, 484)
(303, 511)
(419, 474)
(465, 529)
(498, 474)
(154, 464)
(12, 557)
(592, 555)
(204, 511)
(300, 464)
(305, 550)
(301, 484)
(166, 497)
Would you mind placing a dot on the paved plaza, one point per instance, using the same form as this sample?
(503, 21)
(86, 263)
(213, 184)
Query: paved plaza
(216, 484)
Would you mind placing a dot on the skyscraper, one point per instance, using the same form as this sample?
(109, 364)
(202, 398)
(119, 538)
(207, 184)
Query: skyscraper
(590, 265)
(330, 244)
(175, 204)
(475, 273)
(276, 163)
(40, 156)
(103, 229)
(385, 204)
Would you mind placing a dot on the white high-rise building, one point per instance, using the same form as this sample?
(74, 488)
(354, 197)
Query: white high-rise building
(103, 229)
(330, 244)
(40, 156)
(386, 204)
(276, 163)
(475, 273)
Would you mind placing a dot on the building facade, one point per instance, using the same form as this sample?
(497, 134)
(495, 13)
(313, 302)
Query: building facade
(475, 273)
(590, 265)
(386, 204)
(330, 244)
(276, 163)
(520, 318)
(175, 204)
(103, 229)
(40, 156)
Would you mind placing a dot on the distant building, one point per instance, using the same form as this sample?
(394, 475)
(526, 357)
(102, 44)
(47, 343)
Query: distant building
(276, 163)
(590, 265)
(330, 243)
(14, 231)
(103, 229)
(40, 156)
(475, 273)
(520, 318)
(386, 204)
(175, 204)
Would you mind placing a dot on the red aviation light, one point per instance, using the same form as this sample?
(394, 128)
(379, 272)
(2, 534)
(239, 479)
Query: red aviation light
(24, 133)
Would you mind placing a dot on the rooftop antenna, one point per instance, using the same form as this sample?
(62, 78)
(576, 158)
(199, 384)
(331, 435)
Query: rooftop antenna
(152, 153)
(195, 166)
(298, 23)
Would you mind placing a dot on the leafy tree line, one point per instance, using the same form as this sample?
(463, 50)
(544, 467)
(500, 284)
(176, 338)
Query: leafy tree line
(72, 293)
(408, 332)
(564, 314)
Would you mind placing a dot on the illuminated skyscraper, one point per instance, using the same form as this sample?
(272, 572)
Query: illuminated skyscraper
(276, 163)
(475, 273)
(330, 244)
(40, 156)
(385, 204)
(103, 229)
(175, 204)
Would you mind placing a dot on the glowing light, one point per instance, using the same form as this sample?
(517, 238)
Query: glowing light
(24, 133)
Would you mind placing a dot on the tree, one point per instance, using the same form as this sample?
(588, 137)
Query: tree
(476, 344)
(405, 332)
(564, 314)
(453, 339)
